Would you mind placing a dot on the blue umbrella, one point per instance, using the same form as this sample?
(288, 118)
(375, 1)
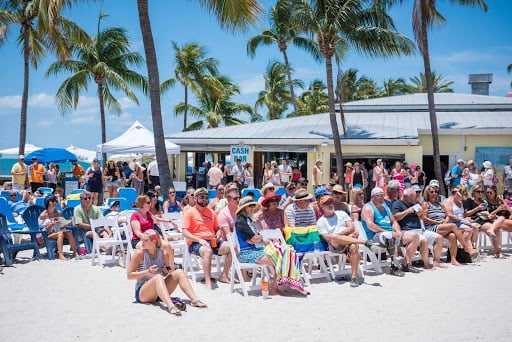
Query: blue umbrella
(50, 155)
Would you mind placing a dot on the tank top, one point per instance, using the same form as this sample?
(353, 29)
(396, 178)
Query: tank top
(112, 173)
(458, 211)
(147, 263)
(435, 212)
(357, 178)
(382, 219)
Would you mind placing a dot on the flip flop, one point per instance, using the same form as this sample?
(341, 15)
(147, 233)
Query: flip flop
(198, 304)
(174, 311)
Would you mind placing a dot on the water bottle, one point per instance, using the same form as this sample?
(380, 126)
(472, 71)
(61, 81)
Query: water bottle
(264, 287)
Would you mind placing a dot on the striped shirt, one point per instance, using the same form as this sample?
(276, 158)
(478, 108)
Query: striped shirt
(300, 218)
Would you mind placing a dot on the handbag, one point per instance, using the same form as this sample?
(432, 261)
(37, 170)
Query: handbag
(462, 256)
(484, 216)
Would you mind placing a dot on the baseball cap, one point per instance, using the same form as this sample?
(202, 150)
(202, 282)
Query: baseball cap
(21, 156)
(461, 161)
(201, 191)
(326, 199)
(376, 191)
(416, 188)
(321, 191)
(158, 187)
(115, 203)
(434, 182)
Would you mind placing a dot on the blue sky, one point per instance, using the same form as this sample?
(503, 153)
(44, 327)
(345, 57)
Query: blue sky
(471, 42)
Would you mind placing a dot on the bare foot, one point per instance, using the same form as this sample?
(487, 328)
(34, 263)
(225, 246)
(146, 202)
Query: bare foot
(456, 263)
(500, 256)
(440, 265)
(429, 267)
(63, 258)
(224, 279)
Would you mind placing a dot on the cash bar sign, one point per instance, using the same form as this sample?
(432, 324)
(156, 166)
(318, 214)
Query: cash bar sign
(241, 152)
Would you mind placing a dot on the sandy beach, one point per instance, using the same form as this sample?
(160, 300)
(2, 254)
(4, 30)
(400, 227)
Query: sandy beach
(74, 301)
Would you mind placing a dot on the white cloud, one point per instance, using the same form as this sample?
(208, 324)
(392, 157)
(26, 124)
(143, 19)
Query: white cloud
(41, 100)
(44, 123)
(13, 101)
(467, 56)
(252, 85)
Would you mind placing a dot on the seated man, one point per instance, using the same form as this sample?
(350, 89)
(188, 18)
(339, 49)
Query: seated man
(300, 214)
(18, 207)
(408, 213)
(381, 227)
(201, 229)
(337, 229)
(85, 212)
(115, 212)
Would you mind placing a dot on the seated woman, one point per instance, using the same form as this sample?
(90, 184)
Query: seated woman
(156, 279)
(455, 212)
(253, 249)
(143, 220)
(49, 221)
(270, 216)
(476, 208)
(219, 189)
(356, 204)
(171, 205)
(435, 218)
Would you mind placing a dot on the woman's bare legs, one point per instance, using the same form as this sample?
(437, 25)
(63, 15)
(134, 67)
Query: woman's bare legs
(178, 277)
(71, 240)
(446, 228)
(453, 248)
(157, 287)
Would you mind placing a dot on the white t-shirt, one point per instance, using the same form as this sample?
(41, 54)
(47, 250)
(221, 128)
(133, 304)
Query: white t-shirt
(334, 224)
(285, 169)
(153, 169)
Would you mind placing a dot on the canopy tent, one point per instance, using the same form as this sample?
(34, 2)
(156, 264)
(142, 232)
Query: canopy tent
(136, 139)
(51, 155)
(82, 154)
(15, 150)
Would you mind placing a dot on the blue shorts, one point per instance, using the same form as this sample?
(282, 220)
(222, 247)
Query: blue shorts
(137, 294)
(195, 246)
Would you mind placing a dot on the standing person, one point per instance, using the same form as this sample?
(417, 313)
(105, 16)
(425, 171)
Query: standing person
(37, 172)
(400, 174)
(238, 174)
(379, 174)
(111, 176)
(95, 180)
(156, 279)
(267, 172)
(456, 173)
(121, 181)
(127, 172)
(357, 181)
(51, 175)
(507, 175)
(489, 175)
(317, 174)
(78, 172)
(137, 178)
(471, 175)
(422, 178)
(215, 175)
(153, 174)
(201, 175)
(248, 176)
(201, 229)
(285, 172)
(19, 174)
(349, 170)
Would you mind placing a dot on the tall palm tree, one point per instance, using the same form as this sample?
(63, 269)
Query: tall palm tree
(341, 24)
(439, 84)
(424, 16)
(276, 96)
(284, 30)
(216, 108)
(231, 14)
(314, 99)
(191, 70)
(351, 87)
(509, 70)
(104, 59)
(41, 30)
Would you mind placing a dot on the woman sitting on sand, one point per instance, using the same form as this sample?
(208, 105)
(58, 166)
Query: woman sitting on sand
(156, 279)
(436, 220)
(253, 249)
(49, 220)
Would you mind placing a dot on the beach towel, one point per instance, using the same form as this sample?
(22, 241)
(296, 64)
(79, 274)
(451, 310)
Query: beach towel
(303, 239)
(286, 264)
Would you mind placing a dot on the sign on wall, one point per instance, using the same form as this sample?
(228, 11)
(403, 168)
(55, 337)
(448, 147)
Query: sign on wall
(241, 152)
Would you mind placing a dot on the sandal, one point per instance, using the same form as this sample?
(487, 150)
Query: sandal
(174, 311)
(198, 304)
(491, 235)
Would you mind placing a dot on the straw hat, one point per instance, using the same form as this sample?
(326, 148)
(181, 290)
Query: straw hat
(338, 188)
(349, 165)
(302, 194)
(268, 197)
(267, 187)
(245, 202)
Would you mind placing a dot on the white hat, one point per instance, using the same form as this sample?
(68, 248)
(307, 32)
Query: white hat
(21, 156)
(461, 161)
(434, 182)
(376, 191)
(487, 164)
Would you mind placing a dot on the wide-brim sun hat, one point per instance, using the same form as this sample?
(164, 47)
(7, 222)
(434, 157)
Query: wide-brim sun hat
(245, 202)
(349, 165)
(268, 197)
(487, 164)
(302, 194)
(338, 188)
(266, 188)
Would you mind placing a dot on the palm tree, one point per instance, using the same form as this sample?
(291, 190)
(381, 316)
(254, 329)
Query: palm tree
(509, 70)
(215, 108)
(351, 87)
(232, 14)
(339, 24)
(284, 30)
(104, 59)
(439, 84)
(276, 96)
(394, 87)
(424, 16)
(42, 29)
(314, 99)
(192, 69)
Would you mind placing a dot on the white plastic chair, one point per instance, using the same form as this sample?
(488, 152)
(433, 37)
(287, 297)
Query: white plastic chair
(376, 263)
(115, 241)
(192, 265)
(237, 267)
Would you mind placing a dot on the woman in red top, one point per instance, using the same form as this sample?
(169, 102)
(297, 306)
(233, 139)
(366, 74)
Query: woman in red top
(141, 221)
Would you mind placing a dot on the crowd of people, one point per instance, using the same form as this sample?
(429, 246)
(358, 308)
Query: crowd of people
(403, 213)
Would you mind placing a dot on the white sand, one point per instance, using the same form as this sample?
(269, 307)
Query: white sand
(74, 301)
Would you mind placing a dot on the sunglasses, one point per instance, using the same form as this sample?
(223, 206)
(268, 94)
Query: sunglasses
(328, 203)
(291, 188)
(433, 192)
(490, 192)
(338, 193)
(171, 192)
(479, 192)
(235, 198)
(148, 202)
(273, 200)
(271, 189)
(53, 200)
(220, 189)
(86, 198)
(13, 195)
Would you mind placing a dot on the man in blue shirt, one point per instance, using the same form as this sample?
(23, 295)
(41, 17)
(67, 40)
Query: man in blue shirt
(456, 173)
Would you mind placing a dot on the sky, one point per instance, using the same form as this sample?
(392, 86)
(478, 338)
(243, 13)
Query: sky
(471, 41)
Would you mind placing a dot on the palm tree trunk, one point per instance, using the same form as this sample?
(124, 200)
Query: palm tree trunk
(334, 122)
(24, 96)
(154, 94)
(185, 110)
(102, 121)
(432, 109)
(290, 82)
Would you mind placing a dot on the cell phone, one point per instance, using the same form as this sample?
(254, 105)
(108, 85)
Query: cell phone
(165, 270)
(485, 204)
(417, 207)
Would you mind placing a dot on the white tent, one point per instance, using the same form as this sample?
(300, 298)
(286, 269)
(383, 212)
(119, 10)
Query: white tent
(136, 139)
(15, 150)
(82, 154)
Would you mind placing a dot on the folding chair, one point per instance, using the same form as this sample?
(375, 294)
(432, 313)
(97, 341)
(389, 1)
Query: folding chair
(129, 194)
(10, 249)
(115, 241)
(373, 254)
(123, 203)
(237, 267)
